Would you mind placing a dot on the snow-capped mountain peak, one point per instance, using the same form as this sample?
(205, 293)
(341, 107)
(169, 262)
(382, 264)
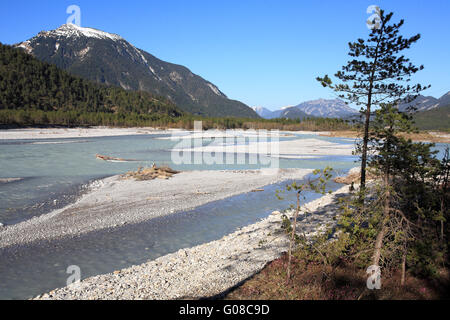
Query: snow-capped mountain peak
(327, 108)
(72, 30)
(317, 108)
(109, 59)
(262, 112)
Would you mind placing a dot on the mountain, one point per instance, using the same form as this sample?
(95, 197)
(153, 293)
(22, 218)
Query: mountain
(317, 108)
(292, 113)
(444, 100)
(32, 91)
(434, 119)
(263, 112)
(422, 103)
(327, 108)
(109, 59)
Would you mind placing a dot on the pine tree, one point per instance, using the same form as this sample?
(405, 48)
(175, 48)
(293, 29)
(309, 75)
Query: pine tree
(378, 74)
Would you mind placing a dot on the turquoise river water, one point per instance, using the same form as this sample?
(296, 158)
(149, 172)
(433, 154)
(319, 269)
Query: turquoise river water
(54, 173)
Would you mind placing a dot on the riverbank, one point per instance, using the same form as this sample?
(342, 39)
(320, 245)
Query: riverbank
(424, 136)
(93, 132)
(66, 133)
(114, 202)
(203, 271)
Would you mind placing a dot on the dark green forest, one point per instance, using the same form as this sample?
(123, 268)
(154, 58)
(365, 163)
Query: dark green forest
(435, 119)
(33, 92)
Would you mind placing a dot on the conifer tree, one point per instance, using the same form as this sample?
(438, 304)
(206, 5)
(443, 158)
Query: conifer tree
(378, 73)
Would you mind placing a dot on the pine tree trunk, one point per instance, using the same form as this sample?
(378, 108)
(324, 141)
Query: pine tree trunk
(378, 245)
(403, 279)
(382, 233)
(442, 222)
(367, 123)
(291, 243)
(365, 144)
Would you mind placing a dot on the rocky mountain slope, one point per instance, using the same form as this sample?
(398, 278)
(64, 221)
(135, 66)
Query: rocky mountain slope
(320, 108)
(109, 59)
(422, 103)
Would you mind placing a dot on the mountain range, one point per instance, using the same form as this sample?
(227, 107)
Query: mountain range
(423, 103)
(111, 60)
(320, 108)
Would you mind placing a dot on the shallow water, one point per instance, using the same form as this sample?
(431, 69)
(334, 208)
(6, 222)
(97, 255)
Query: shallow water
(31, 270)
(55, 172)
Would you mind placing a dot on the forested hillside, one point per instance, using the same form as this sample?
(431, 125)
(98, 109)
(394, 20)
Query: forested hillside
(34, 92)
(109, 59)
(435, 119)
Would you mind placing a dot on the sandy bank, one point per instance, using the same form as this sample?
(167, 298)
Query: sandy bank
(114, 202)
(297, 148)
(206, 270)
(424, 136)
(64, 133)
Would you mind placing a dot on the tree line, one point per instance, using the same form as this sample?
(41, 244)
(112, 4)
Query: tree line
(27, 84)
(34, 93)
(396, 223)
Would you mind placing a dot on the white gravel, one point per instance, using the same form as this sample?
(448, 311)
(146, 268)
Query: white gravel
(284, 149)
(63, 133)
(114, 202)
(203, 271)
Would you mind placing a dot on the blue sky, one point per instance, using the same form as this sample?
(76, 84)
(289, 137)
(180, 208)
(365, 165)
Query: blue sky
(263, 53)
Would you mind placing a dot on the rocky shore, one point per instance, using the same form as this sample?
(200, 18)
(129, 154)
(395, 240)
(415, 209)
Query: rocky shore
(114, 202)
(204, 271)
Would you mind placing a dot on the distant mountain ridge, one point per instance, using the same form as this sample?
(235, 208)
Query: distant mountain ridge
(320, 108)
(434, 119)
(263, 112)
(109, 59)
(327, 108)
(423, 103)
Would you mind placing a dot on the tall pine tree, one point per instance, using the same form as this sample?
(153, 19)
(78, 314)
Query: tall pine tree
(378, 73)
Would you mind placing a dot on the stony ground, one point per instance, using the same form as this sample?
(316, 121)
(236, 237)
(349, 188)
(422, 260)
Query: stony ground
(114, 202)
(207, 270)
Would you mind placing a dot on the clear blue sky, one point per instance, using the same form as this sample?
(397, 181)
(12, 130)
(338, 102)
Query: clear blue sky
(263, 53)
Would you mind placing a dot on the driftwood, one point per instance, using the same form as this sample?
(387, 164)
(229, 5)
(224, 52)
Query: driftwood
(106, 158)
(354, 177)
(152, 173)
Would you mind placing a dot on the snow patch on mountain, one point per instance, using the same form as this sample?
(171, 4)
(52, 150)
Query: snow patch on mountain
(176, 77)
(147, 63)
(72, 30)
(83, 52)
(327, 108)
(215, 89)
(26, 46)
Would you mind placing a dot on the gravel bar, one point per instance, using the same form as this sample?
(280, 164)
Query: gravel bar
(207, 270)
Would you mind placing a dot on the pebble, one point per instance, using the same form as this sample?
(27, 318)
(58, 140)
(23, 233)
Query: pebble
(200, 272)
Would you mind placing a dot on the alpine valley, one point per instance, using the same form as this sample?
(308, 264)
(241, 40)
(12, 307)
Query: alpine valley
(109, 59)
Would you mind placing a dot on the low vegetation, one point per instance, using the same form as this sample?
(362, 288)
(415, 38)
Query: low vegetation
(395, 230)
(345, 281)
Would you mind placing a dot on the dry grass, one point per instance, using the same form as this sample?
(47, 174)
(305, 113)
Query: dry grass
(355, 177)
(418, 137)
(346, 282)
